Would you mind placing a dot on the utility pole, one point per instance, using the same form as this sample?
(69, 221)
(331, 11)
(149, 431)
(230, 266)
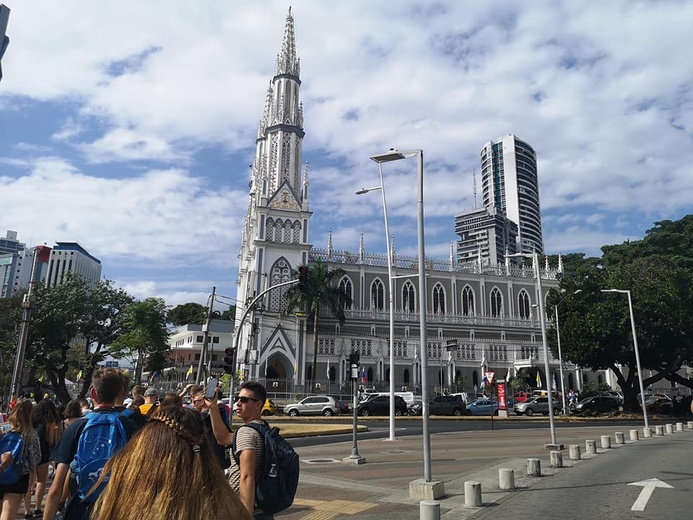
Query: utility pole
(203, 366)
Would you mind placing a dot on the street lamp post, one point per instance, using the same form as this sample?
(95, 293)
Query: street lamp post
(545, 348)
(391, 291)
(635, 346)
(396, 155)
(560, 359)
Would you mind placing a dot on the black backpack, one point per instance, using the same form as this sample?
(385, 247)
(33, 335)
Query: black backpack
(277, 485)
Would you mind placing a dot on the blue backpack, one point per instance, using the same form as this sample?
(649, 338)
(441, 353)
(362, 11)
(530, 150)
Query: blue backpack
(12, 442)
(103, 435)
(277, 485)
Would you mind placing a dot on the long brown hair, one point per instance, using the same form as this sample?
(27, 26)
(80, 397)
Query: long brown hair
(168, 470)
(20, 418)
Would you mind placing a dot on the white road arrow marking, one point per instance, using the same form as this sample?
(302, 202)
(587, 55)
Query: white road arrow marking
(648, 487)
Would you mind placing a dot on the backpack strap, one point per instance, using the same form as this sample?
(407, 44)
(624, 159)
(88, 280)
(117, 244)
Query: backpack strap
(260, 428)
(151, 410)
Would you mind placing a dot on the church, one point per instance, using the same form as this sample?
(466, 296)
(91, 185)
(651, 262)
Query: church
(488, 311)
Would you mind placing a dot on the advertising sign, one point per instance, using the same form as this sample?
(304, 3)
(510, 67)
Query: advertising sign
(502, 400)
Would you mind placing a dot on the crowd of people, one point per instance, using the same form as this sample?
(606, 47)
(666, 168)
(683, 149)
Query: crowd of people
(176, 441)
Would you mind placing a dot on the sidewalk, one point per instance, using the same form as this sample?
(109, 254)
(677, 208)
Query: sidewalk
(379, 489)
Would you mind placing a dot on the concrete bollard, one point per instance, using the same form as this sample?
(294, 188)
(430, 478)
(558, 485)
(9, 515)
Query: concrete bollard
(472, 494)
(606, 442)
(669, 428)
(556, 458)
(690, 425)
(659, 430)
(533, 468)
(591, 447)
(506, 479)
(679, 426)
(574, 452)
(634, 435)
(647, 433)
(620, 438)
(429, 510)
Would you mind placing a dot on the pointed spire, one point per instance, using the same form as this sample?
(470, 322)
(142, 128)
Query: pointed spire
(287, 63)
(546, 263)
(560, 263)
(362, 254)
(452, 255)
(329, 246)
(392, 248)
(305, 183)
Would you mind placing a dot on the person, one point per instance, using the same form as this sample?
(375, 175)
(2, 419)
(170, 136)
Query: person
(86, 406)
(250, 446)
(73, 411)
(108, 392)
(20, 421)
(198, 404)
(150, 398)
(173, 438)
(137, 391)
(44, 419)
(171, 399)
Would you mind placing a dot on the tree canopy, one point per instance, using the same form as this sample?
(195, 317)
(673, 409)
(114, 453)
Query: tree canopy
(595, 326)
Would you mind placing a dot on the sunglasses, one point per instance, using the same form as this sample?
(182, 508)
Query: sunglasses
(244, 399)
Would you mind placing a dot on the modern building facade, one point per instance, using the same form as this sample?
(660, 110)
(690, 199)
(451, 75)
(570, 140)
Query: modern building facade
(510, 184)
(486, 236)
(489, 307)
(70, 257)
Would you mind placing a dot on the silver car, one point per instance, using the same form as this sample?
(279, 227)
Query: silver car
(313, 405)
(535, 405)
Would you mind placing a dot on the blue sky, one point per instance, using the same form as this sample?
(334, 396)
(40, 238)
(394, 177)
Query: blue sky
(130, 128)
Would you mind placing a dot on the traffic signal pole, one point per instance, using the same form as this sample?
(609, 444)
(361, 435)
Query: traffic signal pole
(239, 328)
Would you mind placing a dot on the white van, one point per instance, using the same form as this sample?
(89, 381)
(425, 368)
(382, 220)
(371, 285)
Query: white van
(408, 397)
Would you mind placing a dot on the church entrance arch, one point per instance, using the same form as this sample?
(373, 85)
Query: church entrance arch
(278, 374)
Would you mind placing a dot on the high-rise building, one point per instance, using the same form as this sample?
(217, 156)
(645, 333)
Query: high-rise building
(70, 257)
(510, 183)
(486, 236)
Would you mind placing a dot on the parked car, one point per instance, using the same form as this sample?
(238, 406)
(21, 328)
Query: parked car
(596, 403)
(313, 405)
(380, 405)
(535, 405)
(482, 407)
(657, 404)
(441, 405)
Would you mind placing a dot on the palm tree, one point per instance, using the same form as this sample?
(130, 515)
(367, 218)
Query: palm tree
(317, 289)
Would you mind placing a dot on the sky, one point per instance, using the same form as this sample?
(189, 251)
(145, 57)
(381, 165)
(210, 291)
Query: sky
(130, 127)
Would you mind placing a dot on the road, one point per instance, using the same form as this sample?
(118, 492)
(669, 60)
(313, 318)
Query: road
(603, 486)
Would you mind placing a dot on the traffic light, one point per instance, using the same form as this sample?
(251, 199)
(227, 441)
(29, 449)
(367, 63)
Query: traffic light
(302, 274)
(354, 358)
(228, 360)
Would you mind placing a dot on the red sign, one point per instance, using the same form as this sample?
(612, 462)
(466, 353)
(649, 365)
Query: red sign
(502, 401)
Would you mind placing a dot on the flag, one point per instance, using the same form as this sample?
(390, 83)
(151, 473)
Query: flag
(189, 372)
(328, 368)
(553, 382)
(483, 382)
(538, 379)
(154, 375)
(79, 375)
(363, 375)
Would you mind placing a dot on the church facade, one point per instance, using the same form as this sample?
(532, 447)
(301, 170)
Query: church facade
(491, 310)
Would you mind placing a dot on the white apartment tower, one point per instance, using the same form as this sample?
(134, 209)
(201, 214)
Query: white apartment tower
(275, 232)
(70, 257)
(510, 184)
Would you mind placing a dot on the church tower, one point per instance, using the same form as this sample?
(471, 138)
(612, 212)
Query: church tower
(275, 232)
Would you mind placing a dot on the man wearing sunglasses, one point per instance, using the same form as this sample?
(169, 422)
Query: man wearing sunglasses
(250, 446)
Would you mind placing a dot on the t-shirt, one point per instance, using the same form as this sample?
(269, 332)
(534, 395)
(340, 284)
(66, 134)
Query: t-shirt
(247, 439)
(65, 452)
(144, 408)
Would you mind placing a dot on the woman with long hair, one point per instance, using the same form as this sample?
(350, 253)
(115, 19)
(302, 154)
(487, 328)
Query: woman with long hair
(20, 421)
(72, 412)
(171, 450)
(44, 419)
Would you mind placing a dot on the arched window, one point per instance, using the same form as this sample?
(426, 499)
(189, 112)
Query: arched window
(345, 285)
(296, 235)
(523, 305)
(377, 295)
(408, 298)
(269, 234)
(287, 232)
(438, 299)
(281, 272)
(496, 303)
(467, 301)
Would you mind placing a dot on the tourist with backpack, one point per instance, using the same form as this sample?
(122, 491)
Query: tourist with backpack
(264, 467)
(168, 471)
(23, 443)
(88, 443)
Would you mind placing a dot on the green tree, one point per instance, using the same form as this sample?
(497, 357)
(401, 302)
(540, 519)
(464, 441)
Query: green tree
(187, 313)
(10, 321)
(146, 336)
(318, 291)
